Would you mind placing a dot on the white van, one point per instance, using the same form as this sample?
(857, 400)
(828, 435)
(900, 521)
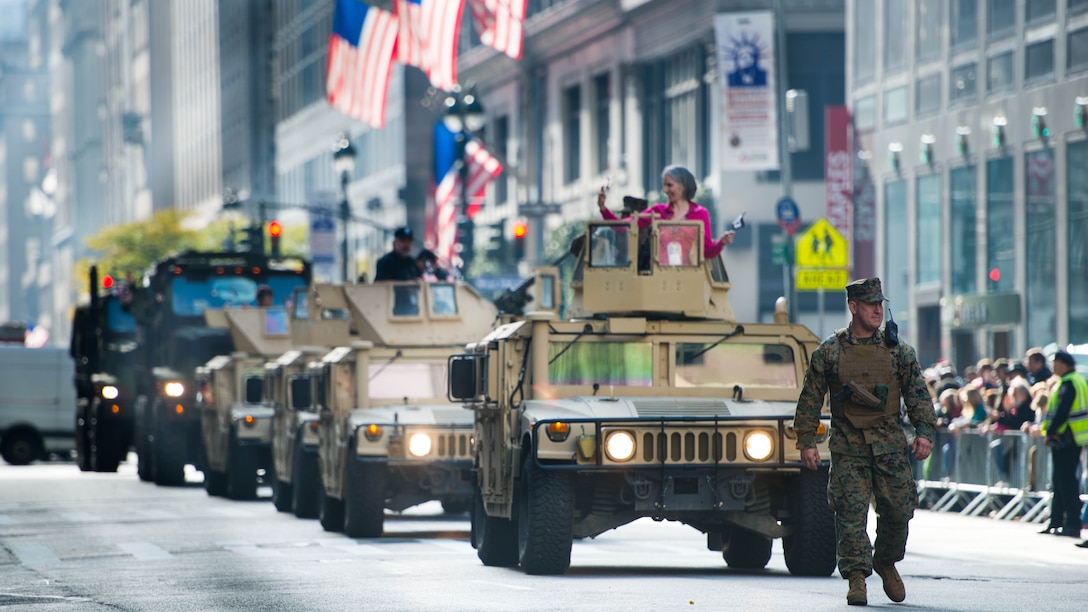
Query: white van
(37, 403)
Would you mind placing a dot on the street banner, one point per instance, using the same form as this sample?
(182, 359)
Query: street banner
(838, 169)
(749, 117)
(322, 235)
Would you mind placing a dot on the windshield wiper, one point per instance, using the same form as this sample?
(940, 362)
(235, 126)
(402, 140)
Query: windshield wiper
(737, 330)
(588, 329)
(395, 357)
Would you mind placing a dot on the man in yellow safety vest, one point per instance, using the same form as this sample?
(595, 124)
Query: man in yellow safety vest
(1066, 429)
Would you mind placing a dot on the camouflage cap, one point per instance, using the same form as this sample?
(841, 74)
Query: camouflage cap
(865, 290)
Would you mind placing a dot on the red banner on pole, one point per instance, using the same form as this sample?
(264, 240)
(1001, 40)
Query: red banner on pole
(839, 173)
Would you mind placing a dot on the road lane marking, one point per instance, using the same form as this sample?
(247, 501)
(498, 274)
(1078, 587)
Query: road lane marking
(34, 554)
(145, 551)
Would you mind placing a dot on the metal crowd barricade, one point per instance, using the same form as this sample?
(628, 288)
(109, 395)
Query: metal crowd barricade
(962, 475)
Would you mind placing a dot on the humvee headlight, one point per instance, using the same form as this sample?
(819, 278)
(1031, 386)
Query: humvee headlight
(558, 431)
(110, 392)
(419, 445)
(758, 445)
(173, 389)
(619, 446)
(373, 432)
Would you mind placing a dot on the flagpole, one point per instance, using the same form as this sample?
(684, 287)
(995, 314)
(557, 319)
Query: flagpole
(464, 114)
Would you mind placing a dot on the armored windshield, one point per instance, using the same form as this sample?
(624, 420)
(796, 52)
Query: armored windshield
(398, 380)
(726, 365)
(605, 363)
(190, 296)
(117, 319)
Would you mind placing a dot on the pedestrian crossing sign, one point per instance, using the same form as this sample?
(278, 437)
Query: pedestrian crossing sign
(821, 246)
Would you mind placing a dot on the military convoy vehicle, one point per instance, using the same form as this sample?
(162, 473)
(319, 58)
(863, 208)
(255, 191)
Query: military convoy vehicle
(651, 400)
(104, 348)
(289, 387)
(236, 421)
(389, 437)
(174, 340)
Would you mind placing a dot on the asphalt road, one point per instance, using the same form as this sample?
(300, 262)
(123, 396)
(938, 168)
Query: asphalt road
(75, 541)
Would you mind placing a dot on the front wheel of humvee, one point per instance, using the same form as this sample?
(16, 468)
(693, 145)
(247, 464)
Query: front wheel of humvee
(281, 495)
(545, 519)
(215, 483)
(747, 549)
(810, 548)
(495, 539)
(306, 487)
(169, 470)
(364, 499)
(331, 513)
(241, 471)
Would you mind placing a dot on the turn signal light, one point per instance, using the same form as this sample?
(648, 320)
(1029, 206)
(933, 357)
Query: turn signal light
(115, 409)
(179, 409)
(249, 421)
(373, 432)
(558, 431)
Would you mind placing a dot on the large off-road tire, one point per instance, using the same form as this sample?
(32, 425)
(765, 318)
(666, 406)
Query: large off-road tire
(545, 519)
(241, 471)
(145, 463)
(281, 495)
(215, 482)
(169, 468)
(331, 514)
(364, 499)
(20, 447)
(495, 539)
(747, 550)
(83, 444)
(306, 488)
(810, 548)
(106, 448)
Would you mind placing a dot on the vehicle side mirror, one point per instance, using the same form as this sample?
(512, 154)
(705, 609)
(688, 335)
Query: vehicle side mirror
(254, 389)
(466, 377)
(301, 393)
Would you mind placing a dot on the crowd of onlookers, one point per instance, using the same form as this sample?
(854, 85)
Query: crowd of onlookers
(998, 395)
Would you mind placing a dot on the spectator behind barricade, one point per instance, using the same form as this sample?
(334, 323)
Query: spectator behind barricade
(1036, 364)
(986, 376)
(974, 411)
(948, 379)
(1001, 374)
(1010, 414)
(1017, 370)
(970, 376)
(950, 407)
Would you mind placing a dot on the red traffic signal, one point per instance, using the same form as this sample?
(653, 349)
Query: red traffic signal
(520, 229)
(107, 282)
(275, 230)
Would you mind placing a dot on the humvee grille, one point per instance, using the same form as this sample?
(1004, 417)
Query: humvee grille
(454, 446)
(687, 447)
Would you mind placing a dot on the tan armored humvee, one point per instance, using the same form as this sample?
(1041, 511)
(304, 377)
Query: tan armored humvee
(235, 420)
(650, 401)
(289, 390)
(389, 436)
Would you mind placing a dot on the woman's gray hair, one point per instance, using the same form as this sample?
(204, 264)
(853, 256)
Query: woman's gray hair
(1020, 385)
(683, 176)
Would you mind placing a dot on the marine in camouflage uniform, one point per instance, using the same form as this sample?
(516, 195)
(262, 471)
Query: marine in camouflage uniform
(868, 447)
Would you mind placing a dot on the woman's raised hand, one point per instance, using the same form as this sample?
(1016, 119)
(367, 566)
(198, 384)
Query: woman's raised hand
(601, 197)
(727, 237)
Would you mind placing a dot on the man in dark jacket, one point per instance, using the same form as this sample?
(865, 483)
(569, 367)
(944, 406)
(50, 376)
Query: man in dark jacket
(398, 264)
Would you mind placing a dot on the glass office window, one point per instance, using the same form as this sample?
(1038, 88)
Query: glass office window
(865, 113)
(895, 35)
(572, 133)
(963, 23)
(1076, 44)
(602, 98)
(999, 75)
(1039, 11)
(927, 94)
(963, 82)
(896, 247)
(927, 37)
(895, 105)
(1000, 17)
(928, 241)
(1077, 6)
(1039, 60)
(865, 41)
(1000, 236)
(964, 235)
(1040, 277)
(1077, 255)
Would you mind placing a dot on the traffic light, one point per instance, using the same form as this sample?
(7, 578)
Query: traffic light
(496, 242)
(521, 230)
(107, 282)
(252, 239)
(275, 230)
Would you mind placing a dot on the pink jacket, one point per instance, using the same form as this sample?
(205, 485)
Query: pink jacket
(711, 248)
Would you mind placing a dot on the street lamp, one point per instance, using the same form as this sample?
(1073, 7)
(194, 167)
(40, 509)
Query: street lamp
(343, 159)
(464, 115)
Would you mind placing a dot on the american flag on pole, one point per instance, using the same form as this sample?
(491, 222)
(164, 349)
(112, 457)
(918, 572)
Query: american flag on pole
(361, 50)
(482, 169)
(429, 31)
(499, 24)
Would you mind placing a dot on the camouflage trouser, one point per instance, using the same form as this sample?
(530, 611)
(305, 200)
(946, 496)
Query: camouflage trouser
(853, 482)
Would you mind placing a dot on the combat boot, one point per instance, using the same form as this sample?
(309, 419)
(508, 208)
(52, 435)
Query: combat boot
(856, 595)
(893, 584)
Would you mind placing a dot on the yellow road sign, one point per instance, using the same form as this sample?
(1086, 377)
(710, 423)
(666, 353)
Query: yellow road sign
(822, 246)
(814, 279)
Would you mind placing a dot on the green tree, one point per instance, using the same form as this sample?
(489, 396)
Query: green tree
(127, 250)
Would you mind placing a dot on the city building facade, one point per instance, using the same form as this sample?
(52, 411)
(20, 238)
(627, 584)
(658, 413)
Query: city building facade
(970, 120)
